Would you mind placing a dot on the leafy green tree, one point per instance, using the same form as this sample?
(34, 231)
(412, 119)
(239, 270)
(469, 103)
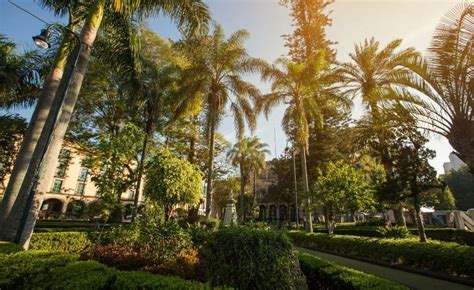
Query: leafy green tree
(171, 181)
(461, 183)
(12, 128)
(444, 82)
(310, 22)
(249, 155)
(215, 76)
(112, 165)
(342, 188)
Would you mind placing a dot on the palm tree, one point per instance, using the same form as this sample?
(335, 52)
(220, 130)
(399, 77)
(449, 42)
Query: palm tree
(190, 16)
(374, 75)
(445, 83)
(303, 87)
(215, 77)
(249, 155)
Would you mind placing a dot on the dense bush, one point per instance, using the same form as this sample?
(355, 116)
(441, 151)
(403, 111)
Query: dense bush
(322, 274)
(148, 244)
(82, 275)
(444, 257)
(29, 269)
(462, 237)
(247, 258)
(8, 248)
(73, 242)
(55, 270)
(394, 232)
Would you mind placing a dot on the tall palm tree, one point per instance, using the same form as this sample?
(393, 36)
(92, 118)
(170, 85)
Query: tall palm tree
(248, 154)
(188, 14)
(373, 74)
(302, 87)
(445, 83)
(216, 76)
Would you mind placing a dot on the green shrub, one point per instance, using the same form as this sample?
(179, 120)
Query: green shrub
(444, 257)
(462, 237)
(247, 258)
(73, 242)
(82, 275)
(322, 274)
(395, 232)
(30, 269)
(9, 248)
(142, 280)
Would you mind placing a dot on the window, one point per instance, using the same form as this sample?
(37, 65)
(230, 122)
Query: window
(58, 183)
(83, 173)
(80, 188)
(63, 162)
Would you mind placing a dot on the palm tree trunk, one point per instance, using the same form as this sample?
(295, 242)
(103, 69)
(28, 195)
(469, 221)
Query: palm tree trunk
(255, 186)
(419, 218)
(309, 222)
(72, 87)
(148, 127)
(242, 191)
(210, 165)
(32, 135)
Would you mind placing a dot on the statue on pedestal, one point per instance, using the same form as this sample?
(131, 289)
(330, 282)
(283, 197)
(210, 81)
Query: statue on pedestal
(230, 215)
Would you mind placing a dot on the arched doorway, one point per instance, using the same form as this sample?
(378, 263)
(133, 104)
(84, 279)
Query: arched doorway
(273, 213)
(283, 213)
(51, 208)
(75, 209)
(262, 213)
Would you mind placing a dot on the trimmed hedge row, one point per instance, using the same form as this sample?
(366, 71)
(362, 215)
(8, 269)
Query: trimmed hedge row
(8, 248)
(462, 237)
(72, 242)
(322, 274)
(53, 270)
(449, 258)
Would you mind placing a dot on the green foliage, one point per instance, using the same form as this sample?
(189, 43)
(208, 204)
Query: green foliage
(449, 258)
(73, 242)
(395, 232)
(322, 274)
(30, 269)
(248, 258)
(343, 188)
(9, 248)
(82, 275)
(172, 180)
(12, 128)
(141, 280)
(461, 183)
(112, 167)
(53, 270)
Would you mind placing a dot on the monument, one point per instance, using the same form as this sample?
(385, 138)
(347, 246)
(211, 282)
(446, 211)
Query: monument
(230, 215)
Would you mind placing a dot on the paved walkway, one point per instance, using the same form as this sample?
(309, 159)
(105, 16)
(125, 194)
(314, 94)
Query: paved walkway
(412, 280)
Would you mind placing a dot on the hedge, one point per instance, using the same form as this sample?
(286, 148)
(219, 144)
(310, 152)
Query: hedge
(248, 258)
(72, 242)
(8, 248)
(25, 269)
(322, 274)
(462, 237)
(56, 270)
(449, 258)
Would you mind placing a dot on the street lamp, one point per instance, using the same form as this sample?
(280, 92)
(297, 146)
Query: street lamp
(42, 40)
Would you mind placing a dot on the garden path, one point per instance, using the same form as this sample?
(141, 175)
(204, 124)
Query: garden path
(412, 280)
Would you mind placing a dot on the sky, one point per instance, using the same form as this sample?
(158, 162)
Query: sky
(353, 21)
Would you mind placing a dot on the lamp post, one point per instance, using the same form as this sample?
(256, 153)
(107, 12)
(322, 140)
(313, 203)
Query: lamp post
(43, 41)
